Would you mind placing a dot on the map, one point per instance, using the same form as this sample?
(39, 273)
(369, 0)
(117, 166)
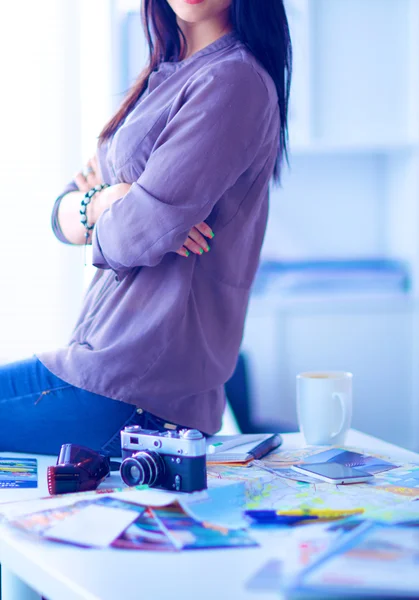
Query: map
(267, 490)
(404, 481)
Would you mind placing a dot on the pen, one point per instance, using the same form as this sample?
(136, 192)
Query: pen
(322, 513)
(269, 517)
(265, 446)
(279, 516)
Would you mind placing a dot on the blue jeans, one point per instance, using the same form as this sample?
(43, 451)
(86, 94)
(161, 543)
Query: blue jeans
(39, 412)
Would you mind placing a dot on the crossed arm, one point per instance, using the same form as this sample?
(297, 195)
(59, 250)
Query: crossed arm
(69, 216)
(227, 116)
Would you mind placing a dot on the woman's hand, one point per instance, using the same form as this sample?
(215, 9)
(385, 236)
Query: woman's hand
(89, 176)
(196, 242)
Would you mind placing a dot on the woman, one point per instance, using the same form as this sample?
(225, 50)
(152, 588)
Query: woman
(190, 152)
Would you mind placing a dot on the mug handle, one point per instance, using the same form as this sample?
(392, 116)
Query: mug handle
(345, 412)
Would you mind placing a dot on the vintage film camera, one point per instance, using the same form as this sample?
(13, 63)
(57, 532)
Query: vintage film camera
(171, 460)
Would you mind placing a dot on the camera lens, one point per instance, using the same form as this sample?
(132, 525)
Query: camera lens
(142, 468)
(135, 473)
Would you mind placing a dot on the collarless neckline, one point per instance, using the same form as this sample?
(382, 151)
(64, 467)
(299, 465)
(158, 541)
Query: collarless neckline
(223, 42)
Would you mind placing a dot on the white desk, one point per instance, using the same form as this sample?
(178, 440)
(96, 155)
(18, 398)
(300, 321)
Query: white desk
(67, 573)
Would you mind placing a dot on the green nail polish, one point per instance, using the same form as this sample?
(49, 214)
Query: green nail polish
(208, 248)
(201, 251)
(212, 234)
(187, 252)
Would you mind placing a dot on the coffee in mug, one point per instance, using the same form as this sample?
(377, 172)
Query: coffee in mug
(324, 406)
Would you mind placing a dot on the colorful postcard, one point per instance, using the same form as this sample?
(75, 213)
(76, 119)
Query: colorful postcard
(221, 506)
(192, 535)
(94, 526)
(18, 473)
(145, 534)
(170, 529)
(40, 522)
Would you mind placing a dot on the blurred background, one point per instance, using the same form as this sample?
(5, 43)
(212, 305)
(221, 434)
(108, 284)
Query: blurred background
(338, 285)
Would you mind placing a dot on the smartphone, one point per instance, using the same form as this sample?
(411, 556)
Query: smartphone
(333, 473)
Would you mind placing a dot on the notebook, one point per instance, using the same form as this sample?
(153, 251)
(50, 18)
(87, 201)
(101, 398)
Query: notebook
(241, 448)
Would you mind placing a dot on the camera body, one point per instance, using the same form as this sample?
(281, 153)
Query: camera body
(170, 460)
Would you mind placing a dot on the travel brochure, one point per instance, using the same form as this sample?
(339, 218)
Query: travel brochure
(374, 559)
(364, 566)
(18, 473)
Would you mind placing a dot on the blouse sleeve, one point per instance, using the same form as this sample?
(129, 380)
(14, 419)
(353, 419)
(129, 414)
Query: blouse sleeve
(55, 224)
(208, 143)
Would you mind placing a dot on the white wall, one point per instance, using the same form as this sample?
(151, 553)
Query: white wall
(323, 201)
(41, 279)
(352, 191)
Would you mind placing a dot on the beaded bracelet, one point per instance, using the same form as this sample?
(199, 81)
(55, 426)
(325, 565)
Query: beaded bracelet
(87, 198)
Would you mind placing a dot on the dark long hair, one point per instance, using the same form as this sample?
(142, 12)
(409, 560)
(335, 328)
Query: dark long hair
(261, 25)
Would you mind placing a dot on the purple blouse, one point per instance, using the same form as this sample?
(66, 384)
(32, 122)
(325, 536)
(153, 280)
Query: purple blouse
(158, 330)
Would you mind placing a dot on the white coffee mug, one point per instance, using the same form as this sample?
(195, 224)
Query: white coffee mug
(324, 406)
